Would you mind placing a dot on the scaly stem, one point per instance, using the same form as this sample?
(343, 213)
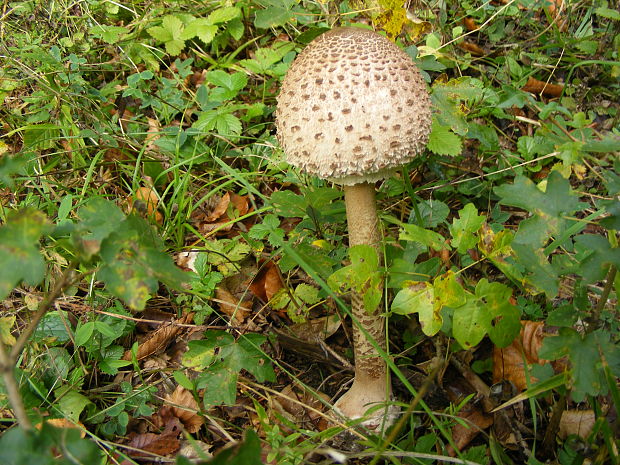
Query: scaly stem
(369, 386)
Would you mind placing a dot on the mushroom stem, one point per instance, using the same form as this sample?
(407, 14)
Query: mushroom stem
(371, 384)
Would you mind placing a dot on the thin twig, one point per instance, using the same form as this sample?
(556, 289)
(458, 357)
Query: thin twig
(12, 390)
(46, 303)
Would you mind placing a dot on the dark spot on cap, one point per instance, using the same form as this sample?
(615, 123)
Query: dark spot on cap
(306, 96)
(368, 137)
(337, 140)
(393, 92)
(330, 116)
(396, 127)
(295, 128)
(394, 144)
(349, 128)
(319, 135)
(336, 94)
(319, 81)
(322, 96)
(367, 83)
(346, 111)
(315, 107)
(357, 149)
(340, 77)
(386, 117)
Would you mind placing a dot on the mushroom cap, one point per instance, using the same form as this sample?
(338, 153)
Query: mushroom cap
(352, 108)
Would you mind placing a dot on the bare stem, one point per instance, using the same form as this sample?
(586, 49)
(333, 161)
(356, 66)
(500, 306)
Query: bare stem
(8, 360)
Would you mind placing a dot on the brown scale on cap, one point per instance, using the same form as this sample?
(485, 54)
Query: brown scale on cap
(371, 80)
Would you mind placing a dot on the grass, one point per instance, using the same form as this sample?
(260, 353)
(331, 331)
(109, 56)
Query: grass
(509, 219)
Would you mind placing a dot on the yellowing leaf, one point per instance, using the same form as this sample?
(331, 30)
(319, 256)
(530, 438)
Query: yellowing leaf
(6, 323)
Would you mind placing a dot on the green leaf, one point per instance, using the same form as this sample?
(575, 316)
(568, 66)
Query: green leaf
(276, 13)
(9, 166)
(72, 404)
(109, 34)
(248, 452)
(229, 84)
(132, 267)
(501, 317)
(6, 326)
(595, 256)
(201, 28)
(100, 218)
(585, 354)
(222, 120)
(232, 356)
(464, 228)
(84, 333)
(199, 355)
(447, 98)
(419, 298)
(432, 212)
(412, 232)
(20, 258)
(443, 141)
(307, 294)
(608, 13)
(170, 32)
(223, 15)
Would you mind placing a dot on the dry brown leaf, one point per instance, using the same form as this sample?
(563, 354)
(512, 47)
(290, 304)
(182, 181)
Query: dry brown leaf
(185, 408)
(476, 421)
(153, 133)
(64, 423)
(218, 218)
(317, 329)
(539, 87)
(509, 362)
(579, 422)
(160, 338)
(230, 305)
(470, 24)
(472, 48)
(267, 281)
(162, 444)
(145, 200)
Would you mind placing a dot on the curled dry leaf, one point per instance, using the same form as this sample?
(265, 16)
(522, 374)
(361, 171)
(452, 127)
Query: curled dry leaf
(153, 133)
(267, 281)
(472, 48)
(145, 202)
(158, 444)
(579, 422)
(160, 338)
(317, 329)
(539, 87)
(185, 408)
(508, 363)
(232, 306)
(218, 219)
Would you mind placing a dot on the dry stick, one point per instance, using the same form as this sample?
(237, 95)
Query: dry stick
(7, 360)
(12, 390)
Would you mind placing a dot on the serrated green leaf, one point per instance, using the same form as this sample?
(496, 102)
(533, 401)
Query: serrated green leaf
(307, 294)
(20, 258)
(595, 256)
(443, 141)
(608, 13)
(201, 28)
(170, 32)
(199, 355)
(464, 228)
(100, 218)
(432, 212)
(223, 15)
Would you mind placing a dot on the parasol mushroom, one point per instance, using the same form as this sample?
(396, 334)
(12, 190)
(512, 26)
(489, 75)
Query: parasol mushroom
(352, 108)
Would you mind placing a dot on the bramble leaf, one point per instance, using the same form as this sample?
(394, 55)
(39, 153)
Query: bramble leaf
(463, 228)
(20, 259)
(443, 141)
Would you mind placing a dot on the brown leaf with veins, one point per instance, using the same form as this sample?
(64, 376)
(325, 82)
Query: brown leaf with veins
(537, 87)
(509, 362)
(158, 444)
(236, 309)
(579, 422)
(218, 219)
(160, 338)
(185, 408)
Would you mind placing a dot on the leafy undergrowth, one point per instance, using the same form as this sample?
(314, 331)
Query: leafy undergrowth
(172, 291)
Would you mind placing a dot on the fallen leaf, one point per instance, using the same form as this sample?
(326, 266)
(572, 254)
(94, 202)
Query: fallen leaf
(185, 408)
(230, 305)
(509, 362)
(317, 329)
(160, 444)
(160, 338)
(470, 24)
(145, 201)
(472, 48)
(476, 421)
(537, 87)
(218, 219)
(579, 422)
(301, 406)
(64, 423)
(267, 281)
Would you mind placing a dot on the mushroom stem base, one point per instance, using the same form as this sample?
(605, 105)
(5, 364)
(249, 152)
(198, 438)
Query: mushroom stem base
(371, 386)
